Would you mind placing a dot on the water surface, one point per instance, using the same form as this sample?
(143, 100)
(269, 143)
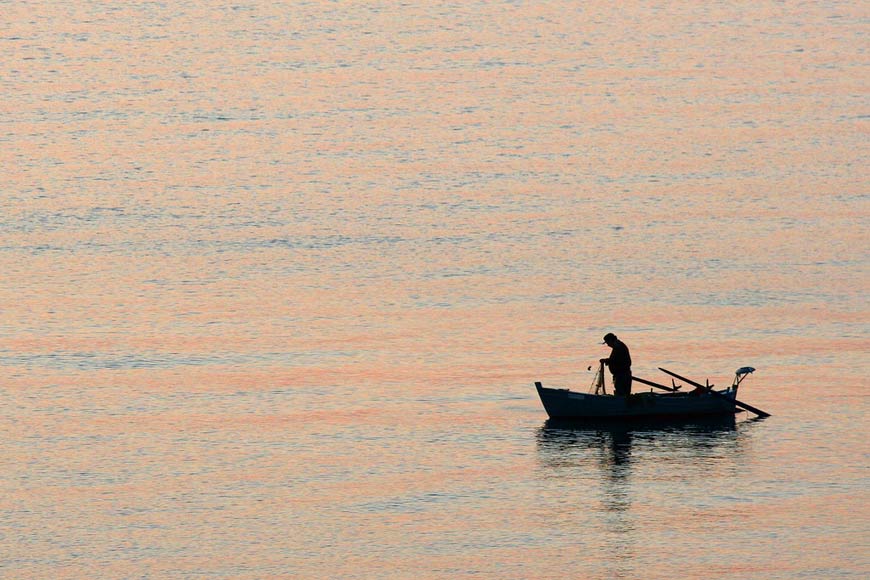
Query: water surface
(278, 279)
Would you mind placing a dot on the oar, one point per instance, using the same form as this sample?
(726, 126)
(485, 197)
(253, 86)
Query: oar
(758, 412)
(652, 384)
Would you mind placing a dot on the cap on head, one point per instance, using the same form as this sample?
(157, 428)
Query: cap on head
(609, 337)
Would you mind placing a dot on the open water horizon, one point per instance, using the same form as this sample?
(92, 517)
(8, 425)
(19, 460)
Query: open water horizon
(278, 278)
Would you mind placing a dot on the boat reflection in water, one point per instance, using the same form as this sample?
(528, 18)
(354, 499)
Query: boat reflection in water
(562, 441)
(623, 483)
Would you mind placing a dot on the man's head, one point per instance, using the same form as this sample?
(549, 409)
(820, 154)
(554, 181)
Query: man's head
(609, 339)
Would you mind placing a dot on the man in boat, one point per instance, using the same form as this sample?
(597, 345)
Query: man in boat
(619, 363)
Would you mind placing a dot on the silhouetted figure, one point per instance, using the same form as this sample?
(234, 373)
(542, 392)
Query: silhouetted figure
(619, 363)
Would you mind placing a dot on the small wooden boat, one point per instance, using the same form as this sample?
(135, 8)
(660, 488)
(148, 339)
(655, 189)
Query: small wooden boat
(702, 401)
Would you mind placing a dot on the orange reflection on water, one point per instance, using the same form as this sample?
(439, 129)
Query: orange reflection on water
(278, 279)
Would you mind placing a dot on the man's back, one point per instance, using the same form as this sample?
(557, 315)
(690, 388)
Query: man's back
(620, 359)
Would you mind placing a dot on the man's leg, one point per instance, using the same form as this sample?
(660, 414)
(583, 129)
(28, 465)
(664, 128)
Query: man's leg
(622, 385)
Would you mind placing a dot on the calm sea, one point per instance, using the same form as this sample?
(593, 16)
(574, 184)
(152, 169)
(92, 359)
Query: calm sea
(278, 278)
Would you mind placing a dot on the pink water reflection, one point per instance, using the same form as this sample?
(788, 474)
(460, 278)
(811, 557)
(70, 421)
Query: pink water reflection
(278, 279)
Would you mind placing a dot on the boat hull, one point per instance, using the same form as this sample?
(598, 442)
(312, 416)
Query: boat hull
(565, 404)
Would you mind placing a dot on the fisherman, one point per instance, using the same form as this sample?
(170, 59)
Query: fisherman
(619, 363)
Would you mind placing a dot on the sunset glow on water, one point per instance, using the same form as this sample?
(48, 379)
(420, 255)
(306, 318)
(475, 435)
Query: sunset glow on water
(279, 277)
